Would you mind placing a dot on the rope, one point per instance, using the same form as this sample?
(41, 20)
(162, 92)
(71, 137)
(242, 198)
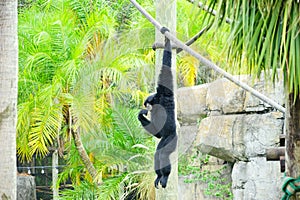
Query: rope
(207, 62)
(290, 187)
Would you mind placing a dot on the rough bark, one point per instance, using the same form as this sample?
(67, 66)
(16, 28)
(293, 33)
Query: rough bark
(55, 174)
(8, 98)
(292, 118)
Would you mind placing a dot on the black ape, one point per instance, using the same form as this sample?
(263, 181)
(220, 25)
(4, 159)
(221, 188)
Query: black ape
(162, 124)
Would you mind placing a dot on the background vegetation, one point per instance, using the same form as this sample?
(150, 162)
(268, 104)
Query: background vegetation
(84, 69)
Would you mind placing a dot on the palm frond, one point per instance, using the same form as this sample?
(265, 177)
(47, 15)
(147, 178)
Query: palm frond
(23, 127)
(46, 119)
(264, 36)
(82, 110)
(188, 70)
(111, 188)
(85, 190)
(74, 67)
(126, 122)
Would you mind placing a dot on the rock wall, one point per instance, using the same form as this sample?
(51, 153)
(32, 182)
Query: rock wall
(25, 187)
(236, 127)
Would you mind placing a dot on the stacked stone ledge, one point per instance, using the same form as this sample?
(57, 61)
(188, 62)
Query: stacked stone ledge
(236, 127)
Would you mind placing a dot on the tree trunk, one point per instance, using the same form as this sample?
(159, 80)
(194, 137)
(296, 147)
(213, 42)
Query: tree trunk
(292, 122)
(166, 15)
(85, 158)
(55, 175)
(81, 150)
(8, 98)
(292, 144)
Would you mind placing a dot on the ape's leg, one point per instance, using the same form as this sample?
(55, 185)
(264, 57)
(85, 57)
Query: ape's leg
(157, 168)
(168, 146)
(166, 172)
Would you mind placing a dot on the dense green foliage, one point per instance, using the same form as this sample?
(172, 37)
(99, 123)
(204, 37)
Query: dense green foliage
(264, 37)
(71, 57)
(75, 72)
(87, 66)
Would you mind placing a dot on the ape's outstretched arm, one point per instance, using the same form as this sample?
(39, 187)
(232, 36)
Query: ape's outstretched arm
(165, 79)
(167, 57)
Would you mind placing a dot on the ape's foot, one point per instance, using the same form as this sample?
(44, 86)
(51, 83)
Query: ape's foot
(163, 181)
(157, 180)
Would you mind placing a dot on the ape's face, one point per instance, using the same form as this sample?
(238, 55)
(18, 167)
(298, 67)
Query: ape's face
(149, 101)
(149, 107)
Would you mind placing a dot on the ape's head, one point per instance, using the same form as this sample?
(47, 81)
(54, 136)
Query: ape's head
(150, 101)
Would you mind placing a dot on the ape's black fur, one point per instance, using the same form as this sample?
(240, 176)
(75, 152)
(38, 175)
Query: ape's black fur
(163, 123)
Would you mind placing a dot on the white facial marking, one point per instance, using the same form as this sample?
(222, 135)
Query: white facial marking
(149, 107)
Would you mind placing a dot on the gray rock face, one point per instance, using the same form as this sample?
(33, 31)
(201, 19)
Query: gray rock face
(225, 97)
(239, 137)
(237, 127)
(187, 137)
(26, 188)
(261, 132)
(274, 91)
(215, 138)
(191, 103)
(258, 180)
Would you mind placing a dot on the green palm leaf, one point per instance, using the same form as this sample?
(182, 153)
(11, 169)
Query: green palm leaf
(264, 35)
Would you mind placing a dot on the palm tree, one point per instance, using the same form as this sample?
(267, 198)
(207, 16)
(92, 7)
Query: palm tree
(52, 57)
(43, 89)
(73, 69)
(264, 36)
(8, 97)
(127, 153)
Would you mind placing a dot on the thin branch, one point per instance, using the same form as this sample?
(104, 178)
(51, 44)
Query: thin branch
(194, 38)
(207, 62)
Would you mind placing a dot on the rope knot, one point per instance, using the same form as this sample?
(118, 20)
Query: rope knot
(290, 187)
(164, 29)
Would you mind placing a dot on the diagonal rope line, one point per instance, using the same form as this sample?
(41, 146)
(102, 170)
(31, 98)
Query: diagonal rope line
(207, 62)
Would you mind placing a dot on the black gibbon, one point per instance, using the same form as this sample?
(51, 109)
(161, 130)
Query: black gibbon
(163, 124)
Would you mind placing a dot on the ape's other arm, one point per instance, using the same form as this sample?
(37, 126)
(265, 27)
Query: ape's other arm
(147, 124)
(144, 121)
